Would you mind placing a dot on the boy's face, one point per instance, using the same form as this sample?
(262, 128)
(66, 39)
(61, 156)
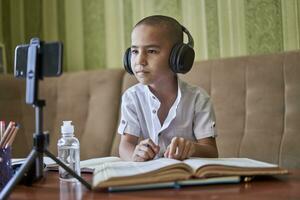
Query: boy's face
(150, 51)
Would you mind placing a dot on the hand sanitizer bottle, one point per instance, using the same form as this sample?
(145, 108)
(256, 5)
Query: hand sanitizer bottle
(68, 151)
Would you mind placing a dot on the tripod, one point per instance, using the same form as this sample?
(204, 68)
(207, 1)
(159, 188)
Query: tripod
(34, 161)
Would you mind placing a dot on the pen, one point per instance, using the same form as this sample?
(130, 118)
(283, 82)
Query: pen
(2, 129)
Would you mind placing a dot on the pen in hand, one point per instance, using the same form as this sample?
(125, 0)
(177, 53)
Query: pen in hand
(145, 150)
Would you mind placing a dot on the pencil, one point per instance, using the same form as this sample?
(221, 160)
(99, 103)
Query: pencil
(6, 137)
(2, 128)
(6, 134)
(12, 136)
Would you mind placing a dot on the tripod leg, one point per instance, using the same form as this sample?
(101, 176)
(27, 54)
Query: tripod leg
(17, 177)
(84, 182)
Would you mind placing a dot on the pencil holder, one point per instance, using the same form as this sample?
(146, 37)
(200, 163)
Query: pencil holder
(6, 171)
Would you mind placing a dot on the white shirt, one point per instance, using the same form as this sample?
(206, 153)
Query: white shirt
(191, 116)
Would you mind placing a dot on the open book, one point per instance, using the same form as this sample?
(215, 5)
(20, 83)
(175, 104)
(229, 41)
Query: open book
(115, 173)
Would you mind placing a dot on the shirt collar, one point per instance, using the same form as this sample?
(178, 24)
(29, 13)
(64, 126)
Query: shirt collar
(179, 89)
(172, 112)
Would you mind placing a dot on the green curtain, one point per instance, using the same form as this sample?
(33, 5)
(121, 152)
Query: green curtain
(96, 33)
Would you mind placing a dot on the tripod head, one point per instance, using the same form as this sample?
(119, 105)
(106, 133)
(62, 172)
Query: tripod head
(35, 61)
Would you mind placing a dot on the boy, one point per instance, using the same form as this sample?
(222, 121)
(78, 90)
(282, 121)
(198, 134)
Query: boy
(175, 120)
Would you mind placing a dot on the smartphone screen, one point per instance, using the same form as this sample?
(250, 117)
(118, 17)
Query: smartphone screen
(50, 58)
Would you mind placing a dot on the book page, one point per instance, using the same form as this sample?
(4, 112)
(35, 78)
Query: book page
(129, 168)
(125, 170)
(47, 161)
(196, 163)
(85, 165)
(94, 162)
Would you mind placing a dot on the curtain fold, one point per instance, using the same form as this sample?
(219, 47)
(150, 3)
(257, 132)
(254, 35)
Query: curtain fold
(96, 33)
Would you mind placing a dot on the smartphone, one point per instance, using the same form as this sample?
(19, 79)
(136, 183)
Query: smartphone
(49, 56)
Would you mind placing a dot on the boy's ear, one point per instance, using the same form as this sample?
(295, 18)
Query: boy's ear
(127, 61)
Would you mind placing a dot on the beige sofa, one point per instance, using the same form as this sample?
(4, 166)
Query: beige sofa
(256, 100)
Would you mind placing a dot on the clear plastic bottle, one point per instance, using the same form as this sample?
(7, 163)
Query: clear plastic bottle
(68, 151)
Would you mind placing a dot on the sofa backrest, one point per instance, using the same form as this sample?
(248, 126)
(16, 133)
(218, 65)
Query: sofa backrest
(256, 100)
(90, 99)
(13, 108)
(257, 105)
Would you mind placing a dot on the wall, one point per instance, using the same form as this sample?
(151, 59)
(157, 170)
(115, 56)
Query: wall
(97, 32)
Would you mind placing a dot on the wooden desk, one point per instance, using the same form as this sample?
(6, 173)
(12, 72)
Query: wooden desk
(279, 187)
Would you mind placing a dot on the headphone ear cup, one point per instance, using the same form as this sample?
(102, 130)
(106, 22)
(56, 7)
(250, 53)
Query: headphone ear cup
(173, 57)
(127, 61)
(182, 58)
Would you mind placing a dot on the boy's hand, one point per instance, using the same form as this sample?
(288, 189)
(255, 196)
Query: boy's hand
(145, 150)
(180, 149)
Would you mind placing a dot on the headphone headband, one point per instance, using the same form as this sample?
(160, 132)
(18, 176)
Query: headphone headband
(190, 38)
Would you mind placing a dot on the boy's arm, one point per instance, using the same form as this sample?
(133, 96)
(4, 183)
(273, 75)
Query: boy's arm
(181, 148)
(127, 146)
(129, 149)
(205, 147)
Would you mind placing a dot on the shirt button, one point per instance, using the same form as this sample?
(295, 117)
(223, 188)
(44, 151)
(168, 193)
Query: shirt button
(123, 121)
(153, 111)
(153, 97)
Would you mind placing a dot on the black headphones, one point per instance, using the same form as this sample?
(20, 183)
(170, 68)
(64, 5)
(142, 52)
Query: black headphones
(181, 57)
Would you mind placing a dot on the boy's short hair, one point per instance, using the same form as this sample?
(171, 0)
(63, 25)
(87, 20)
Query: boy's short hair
(173, 27)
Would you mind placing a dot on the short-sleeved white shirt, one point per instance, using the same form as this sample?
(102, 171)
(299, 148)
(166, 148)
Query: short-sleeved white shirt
(191, 115)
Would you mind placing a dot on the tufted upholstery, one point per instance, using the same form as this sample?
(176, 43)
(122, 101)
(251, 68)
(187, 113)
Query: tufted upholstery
(90, 99)
(256, 100)
(257, 105)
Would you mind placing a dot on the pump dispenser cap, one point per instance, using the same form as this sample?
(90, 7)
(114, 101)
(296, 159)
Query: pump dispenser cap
(67, 128)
